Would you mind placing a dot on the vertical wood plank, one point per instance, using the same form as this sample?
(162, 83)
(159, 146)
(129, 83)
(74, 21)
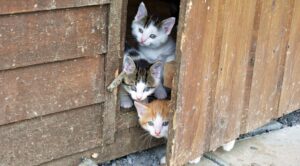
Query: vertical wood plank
(269, 62)
(233, 67)
(250, 67)
(115, 48)
(195, 79)
(225, 49)
(290, 97)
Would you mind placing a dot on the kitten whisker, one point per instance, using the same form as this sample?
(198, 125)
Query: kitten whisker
(149, 143)
(143, 135)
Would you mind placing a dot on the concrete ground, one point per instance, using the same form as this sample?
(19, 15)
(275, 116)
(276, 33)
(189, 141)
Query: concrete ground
(276, 148)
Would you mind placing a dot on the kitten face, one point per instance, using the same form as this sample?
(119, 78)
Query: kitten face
(141, 78)
(153, 117)
(149, 31)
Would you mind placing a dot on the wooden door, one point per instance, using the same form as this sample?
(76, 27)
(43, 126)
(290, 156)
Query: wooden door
(236, 71)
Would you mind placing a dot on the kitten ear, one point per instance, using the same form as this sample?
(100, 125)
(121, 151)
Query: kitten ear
(141, 13)
(156, 69)
(141, 108)
(168, 24)
(128, 65)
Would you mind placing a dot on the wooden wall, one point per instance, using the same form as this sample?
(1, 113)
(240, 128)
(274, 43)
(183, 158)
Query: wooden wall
(56, 58)
(238, 70)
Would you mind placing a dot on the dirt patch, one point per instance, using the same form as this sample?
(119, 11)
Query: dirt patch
(290, 119)
(150, 157)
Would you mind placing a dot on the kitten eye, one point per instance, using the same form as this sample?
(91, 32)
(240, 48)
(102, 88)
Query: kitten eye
(152, 36)
(140, 30)
(133, 88)
(165, 123)
(147, 89)
(150, 123)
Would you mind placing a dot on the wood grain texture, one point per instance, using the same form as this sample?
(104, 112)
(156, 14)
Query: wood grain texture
(251, 61)
(116, 37)
(126, 120)
(49, 88)
(195, 79)
(290, 96)
(271, 46)
(237, 61)
(35, 38)
(129, 141)
(233, 67)
(19, 6)
(45, 138)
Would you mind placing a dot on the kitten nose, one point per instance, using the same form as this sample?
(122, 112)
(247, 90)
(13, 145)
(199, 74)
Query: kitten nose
(143, 40)
(157, 133)
(139, 97)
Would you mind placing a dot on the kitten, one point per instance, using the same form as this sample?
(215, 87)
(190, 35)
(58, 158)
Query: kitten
(153, 117)
(153, 36)
(141, 79)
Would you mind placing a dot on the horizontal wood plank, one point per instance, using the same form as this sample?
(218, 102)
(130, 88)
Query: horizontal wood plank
(20, 6)
(49, 88)
(46, 138)
(28, 39)
(126, 120)
(127, 141)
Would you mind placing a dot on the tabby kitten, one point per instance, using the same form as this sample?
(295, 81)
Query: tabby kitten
(153, 117)
(141, 79)
(153, 36)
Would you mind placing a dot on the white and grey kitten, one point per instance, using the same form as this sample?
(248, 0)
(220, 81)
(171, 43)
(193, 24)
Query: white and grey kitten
(153, 36)
(141, 79)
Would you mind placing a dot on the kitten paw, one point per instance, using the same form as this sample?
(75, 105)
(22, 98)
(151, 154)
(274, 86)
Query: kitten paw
(126, 103)
(195, 161)
(163, 160)
(228, 146)
(170, 58)
(160, 94)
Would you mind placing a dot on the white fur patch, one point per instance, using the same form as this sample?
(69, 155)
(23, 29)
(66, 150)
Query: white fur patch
(140, 94)
(228, 146)
(195, 161)
(157, 128)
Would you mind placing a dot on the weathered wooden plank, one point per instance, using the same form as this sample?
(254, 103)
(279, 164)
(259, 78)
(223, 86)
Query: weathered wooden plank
(233, 67)
(270, 56)
(169, 72)
(129, 141)
(42, 139)
(195, 79)
(126, 120)
(251, 60)
(290, 94)
(28, 39)
(116, 37)
(49, 88)
(19, 6)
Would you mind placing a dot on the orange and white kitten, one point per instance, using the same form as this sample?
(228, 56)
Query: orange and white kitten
(154, 118)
